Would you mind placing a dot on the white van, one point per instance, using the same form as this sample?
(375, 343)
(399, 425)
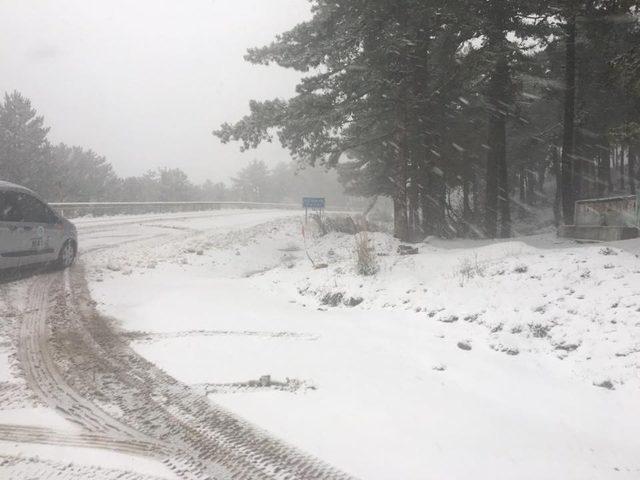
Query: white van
(31, 232)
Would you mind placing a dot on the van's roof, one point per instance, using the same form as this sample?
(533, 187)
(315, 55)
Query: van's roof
(15, 188)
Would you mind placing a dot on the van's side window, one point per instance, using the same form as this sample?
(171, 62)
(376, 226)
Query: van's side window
(32, 209)
(3, 207)
(11, 208)
(22, 207)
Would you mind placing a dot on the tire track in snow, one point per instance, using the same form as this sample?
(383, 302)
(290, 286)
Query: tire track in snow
(48, 436)
(218, 443)
(78, 364)
(20, 467)
(43, 375)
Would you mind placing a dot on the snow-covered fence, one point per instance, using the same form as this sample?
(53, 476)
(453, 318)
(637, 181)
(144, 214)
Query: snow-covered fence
(76, 209)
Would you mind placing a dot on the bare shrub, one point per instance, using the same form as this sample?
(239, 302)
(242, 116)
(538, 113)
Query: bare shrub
(346, 224)
(321, 222)
(339, 223)
(521, 268)
(365, 255)
(470, 268)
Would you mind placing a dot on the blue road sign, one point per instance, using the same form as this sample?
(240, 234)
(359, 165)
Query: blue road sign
(315, 203)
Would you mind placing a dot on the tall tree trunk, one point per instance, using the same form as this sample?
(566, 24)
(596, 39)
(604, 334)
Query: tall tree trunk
(403, 151)
(579, 166)
(441, 206)
(540, 179)
(414, 202)
(422, 118)
(531, 187)
(607, 160)
(622, 172)
(503, 186)
(601, 173)
(400, 220)
(591, 171)
(475, 187)
(466, 187)
(497, 192)
(427, 225)
(400, 200)
(435, 203)
(632, 171)
(567, 179)
(491, 185)
(466, 209)
(555, 162)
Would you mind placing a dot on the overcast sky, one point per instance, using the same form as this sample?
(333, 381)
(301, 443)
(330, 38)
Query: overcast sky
(144, 82)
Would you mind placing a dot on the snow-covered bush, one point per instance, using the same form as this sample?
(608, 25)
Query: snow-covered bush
(365, 256)
(521, 268)
(342, 224)
(470, 268)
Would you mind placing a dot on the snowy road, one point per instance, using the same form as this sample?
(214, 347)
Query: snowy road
(97, 234)
(76, 363)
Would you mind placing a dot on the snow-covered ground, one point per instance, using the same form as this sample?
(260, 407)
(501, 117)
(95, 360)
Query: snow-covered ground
(104, 242)
(20, 408)
(497, 360)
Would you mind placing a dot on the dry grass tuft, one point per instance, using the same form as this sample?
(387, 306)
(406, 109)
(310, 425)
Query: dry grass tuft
(365, 256)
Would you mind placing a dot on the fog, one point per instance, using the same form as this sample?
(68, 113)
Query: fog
(144, 82)
(442, 283)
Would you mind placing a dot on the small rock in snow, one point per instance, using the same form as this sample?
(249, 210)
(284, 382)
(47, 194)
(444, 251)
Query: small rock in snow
(567, 347)
(464, 345)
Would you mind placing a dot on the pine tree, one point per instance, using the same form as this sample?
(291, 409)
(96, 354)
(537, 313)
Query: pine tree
(81, 175)
(398, 95)
(252, 182)
(24, 149)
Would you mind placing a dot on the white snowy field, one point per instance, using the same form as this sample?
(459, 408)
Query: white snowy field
(487, 360)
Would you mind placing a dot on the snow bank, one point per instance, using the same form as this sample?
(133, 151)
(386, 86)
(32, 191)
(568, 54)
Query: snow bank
(516, 359)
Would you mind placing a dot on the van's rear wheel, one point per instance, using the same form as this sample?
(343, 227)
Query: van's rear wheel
(67, 254)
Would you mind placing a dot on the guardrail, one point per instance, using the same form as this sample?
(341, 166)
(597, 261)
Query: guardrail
(77, 209)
